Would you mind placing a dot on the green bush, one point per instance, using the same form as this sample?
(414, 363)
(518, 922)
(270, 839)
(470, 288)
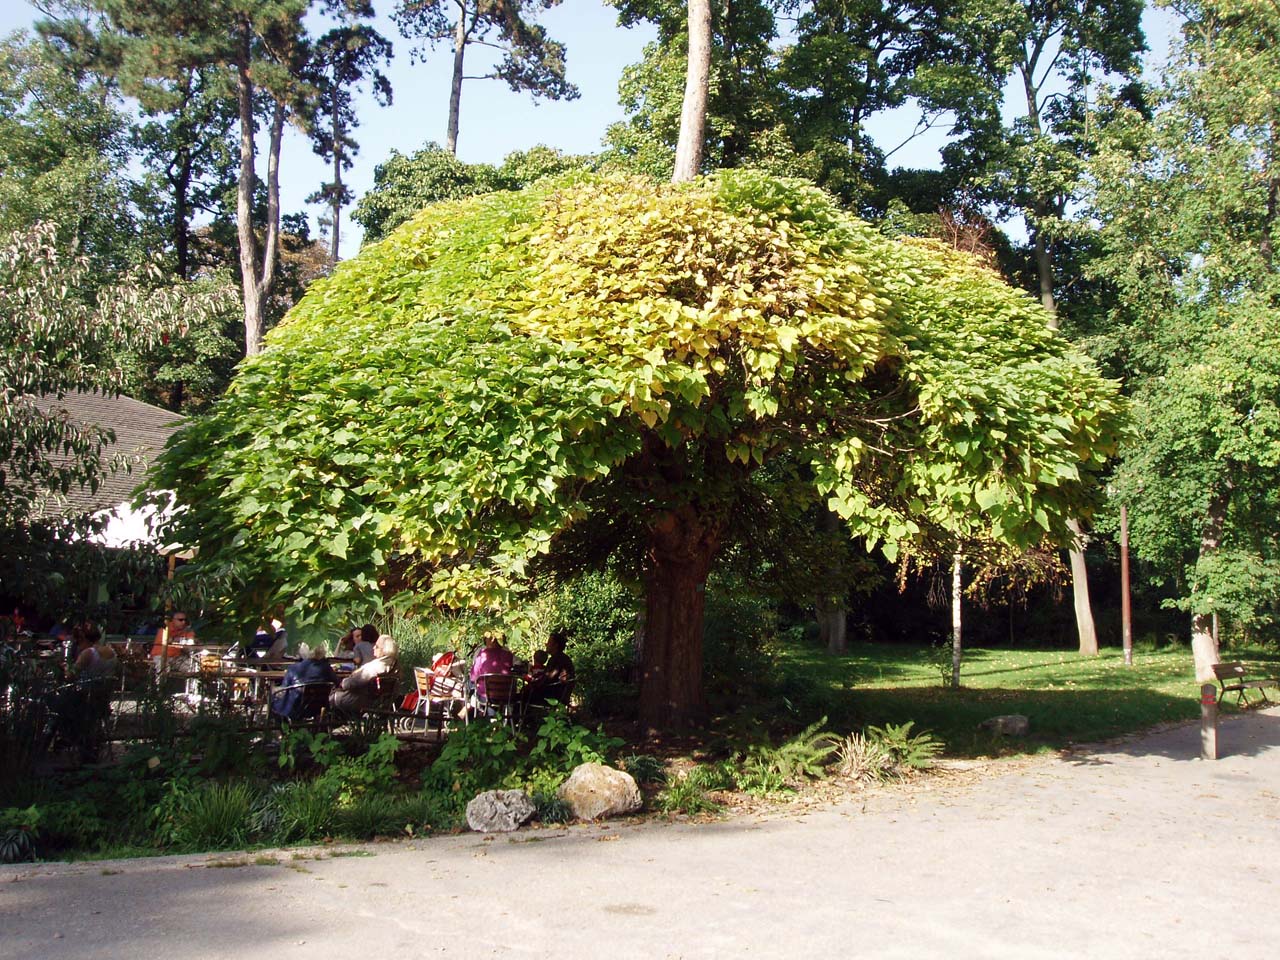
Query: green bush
(598, 612)
(207, 816)
(767, 769)
(738, 624)
(562, 744)
(298, 811)
(370, 816)
(909, 751)
(684, 794)
(645, 768)
(476, 757)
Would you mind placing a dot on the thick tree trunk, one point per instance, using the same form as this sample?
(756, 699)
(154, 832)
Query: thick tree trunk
(957, 597)
(1085, 630)
(693, 115)
(1204, 642)
(830, 611)
(833, 625)
(681, 548)
(455, 87)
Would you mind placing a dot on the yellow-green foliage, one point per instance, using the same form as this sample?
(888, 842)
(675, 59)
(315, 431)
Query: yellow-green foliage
(505, 371)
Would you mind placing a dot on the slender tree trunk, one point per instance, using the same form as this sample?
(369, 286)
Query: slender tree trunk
(1085, 630)
(336, 208)
(455, 88)
(256, 278)
(1204, 642)
(248, 243)
(957, 595)
(681, 548)
(693, 115)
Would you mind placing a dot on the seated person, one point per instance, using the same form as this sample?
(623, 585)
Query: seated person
(365, 638)
(555, 680)
(268, 643)
(538, 667)
(346, 648)
(180, 635)
(493, 658)
(287, 701)
(358, 691)
(93, 657)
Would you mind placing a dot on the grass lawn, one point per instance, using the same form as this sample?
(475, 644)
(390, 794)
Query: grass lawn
(1068, 698)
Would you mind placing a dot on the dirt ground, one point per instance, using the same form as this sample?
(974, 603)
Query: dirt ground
(1130, 849)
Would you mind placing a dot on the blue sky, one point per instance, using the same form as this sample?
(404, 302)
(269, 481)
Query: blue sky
(495, 121)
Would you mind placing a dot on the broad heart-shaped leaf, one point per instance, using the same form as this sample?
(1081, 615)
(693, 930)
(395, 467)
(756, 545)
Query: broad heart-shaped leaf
(530, 378)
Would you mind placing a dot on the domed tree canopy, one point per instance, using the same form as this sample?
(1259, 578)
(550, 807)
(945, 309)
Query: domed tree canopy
(603, 368)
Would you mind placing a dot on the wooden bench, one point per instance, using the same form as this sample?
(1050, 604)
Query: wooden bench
(1235, 677)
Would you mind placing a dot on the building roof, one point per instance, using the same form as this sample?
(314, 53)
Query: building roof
(141, 432)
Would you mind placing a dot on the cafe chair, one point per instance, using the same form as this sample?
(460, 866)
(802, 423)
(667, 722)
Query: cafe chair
(497, 695)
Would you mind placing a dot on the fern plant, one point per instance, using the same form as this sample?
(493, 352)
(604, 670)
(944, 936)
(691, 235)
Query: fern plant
(913, 751)
(803, 757)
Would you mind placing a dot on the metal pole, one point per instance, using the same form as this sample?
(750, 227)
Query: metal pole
(1126, 614)
(1208, 721)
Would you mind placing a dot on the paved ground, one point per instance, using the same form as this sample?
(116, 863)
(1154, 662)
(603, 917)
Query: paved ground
(1136, 849)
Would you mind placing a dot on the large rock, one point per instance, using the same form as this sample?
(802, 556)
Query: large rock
(499, 811)
(1008, 725)
(594, 790)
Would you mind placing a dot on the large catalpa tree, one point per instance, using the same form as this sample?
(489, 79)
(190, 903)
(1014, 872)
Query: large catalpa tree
(614, 369)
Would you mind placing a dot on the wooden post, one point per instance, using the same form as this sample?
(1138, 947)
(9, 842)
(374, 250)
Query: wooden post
(1126, 614)
(1208, 721)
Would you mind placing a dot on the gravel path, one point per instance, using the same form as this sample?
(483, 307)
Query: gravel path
(1131, 849)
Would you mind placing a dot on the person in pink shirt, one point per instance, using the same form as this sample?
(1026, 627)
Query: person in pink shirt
(494, 658)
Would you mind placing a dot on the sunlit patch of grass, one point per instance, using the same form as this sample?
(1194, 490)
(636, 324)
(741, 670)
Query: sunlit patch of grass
(1068, 698)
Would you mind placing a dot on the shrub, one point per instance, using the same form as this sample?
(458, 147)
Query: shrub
(476, 757)
(207, 816)
(910, 751)
(684, 795)
(863, 759)
(370, 816)
(562, 744)
(298, 811)
(599, 614)
(645, 768)
(431, 810)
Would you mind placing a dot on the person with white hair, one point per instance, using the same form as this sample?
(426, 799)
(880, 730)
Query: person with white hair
(287, 702)
(359, 690)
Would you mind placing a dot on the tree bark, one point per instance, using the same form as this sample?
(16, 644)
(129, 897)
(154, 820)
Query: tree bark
(1085, 630)
(833, 625)
(336, 204)
(957, 596)
(455, 88)
(247, 241)
(681, 548)
(693, 115)
(830, 611)
(1204, 642)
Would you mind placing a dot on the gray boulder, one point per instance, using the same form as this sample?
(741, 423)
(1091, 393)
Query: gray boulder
(594, 791)
(1008, 725)
(499, 811)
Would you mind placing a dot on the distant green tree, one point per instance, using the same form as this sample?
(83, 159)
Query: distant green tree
(64, 144)
(743, 121)
(531, 61)
(342, 59)
(403, 185)
(59, 335)
(1189, 199)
